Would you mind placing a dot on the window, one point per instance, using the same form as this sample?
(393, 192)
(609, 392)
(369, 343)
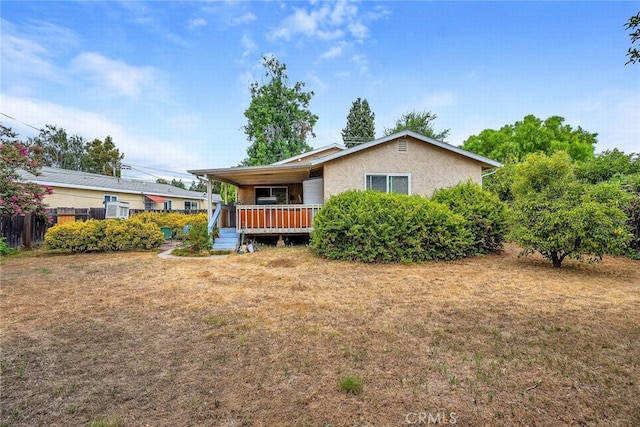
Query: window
(190, 206)
(388, 183)
(280, 193)
(167, 205)
(110, 198)
(149, 205)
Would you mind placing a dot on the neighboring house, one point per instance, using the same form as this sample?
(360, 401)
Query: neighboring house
(74, 189)
(283, 197)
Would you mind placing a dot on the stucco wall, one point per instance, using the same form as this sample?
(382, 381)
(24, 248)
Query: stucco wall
(82, 198)
(430, 167)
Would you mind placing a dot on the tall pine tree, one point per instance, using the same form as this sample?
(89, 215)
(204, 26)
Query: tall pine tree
(360, 124)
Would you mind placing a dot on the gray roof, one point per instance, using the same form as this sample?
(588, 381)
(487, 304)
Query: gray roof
(90, 181)
(486, 162)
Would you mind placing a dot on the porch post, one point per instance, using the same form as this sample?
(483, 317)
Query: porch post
(209, 200)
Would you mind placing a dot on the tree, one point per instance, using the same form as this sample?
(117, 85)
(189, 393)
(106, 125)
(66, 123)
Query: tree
(559, 217)
(278, 119)
(607, 165)
(162, 181)
(198, 186)
(633, 24)
(18, 197)
(360, 124)
(178, 183)
(60, 150)
(103, 157)
(532, 135)
(419, 122)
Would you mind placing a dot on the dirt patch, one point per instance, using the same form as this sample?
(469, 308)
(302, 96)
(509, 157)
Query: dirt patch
(266, 338)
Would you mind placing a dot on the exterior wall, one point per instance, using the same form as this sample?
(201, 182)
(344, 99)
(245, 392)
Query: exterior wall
(81, 198)
(246, 193)
(430, 167)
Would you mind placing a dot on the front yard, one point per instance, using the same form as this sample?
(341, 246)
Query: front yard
(264, 340)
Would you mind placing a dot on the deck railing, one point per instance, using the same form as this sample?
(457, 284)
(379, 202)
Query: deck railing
(275, 219)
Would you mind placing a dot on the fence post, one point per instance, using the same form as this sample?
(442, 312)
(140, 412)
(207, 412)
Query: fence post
(27, 230)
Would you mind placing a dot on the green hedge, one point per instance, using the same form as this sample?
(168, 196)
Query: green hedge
(486, 215)
(104, 235)
(377, 227)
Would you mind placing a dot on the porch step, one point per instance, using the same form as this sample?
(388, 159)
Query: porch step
(228, 239)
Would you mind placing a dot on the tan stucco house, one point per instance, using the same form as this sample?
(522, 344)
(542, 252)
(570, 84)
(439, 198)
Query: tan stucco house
(75, 189)
(283, 197)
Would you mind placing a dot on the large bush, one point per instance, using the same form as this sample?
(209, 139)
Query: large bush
(176, 221)
(486, 215)
(106, 235)
(377, 227)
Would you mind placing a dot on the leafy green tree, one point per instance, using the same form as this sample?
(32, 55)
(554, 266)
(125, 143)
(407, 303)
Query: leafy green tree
(60, 150)
(419, 122)
(360, 126)
(634, 25)
(559, 217)
(18, 197)
(532, 135)
(162, 181)
(103, 157)
(608, 164)
(278, 118)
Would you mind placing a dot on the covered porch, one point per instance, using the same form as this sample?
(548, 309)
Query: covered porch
(274, 200)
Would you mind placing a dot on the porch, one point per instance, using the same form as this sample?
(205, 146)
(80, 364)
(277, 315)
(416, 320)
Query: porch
(276, 219)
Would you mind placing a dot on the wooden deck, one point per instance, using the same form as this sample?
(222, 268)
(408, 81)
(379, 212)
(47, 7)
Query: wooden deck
(275, 219)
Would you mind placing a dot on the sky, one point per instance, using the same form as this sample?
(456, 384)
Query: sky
(169, 81)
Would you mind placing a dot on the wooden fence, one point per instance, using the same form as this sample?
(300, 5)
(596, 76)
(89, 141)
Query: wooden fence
(24, 231)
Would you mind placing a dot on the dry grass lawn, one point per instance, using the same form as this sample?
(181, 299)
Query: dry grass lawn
(264, 339)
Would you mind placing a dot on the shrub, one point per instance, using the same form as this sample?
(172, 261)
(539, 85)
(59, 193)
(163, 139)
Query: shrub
(106, 235)
(176, 221)
(486, 215)
(4, 248)
(377, 227)
(198, 239)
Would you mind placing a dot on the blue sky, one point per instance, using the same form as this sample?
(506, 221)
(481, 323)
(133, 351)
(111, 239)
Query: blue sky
(169, 80)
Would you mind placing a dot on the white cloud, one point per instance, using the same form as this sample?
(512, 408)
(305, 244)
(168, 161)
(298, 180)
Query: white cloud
(248, 45)
(362, 63)
(196, 23)
(321, 22)
(334, 52)
(138, 149)
(29, 53)
(116, 76)
(243, 19)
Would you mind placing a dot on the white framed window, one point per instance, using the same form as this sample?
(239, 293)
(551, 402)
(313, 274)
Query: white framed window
(190, 206)
(110, 198)
(281, 194)
(167, 205)
(399, 183)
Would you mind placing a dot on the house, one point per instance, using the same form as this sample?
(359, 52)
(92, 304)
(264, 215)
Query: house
(75, 189)
(282, 198)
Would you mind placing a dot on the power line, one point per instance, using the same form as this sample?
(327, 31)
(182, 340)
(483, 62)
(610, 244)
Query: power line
(20, 121)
